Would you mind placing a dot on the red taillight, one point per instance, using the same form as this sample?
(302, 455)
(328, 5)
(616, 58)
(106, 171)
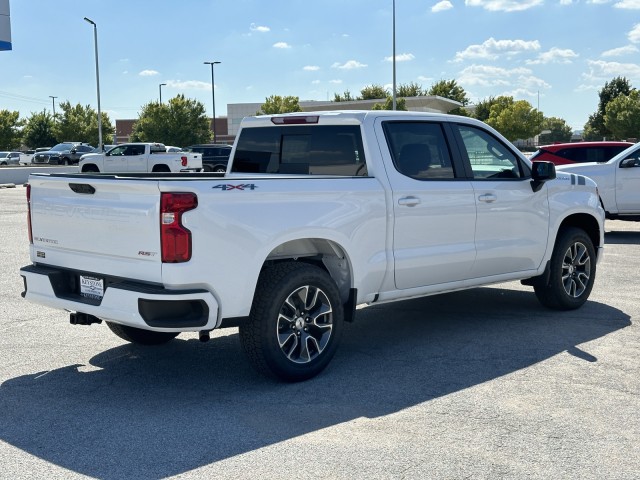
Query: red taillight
(29, 213)
(184, 161)
(174, 237)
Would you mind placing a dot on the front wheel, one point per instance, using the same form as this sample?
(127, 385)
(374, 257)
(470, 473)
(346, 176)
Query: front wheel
(572, 271)
(295, 322)
(140, 336)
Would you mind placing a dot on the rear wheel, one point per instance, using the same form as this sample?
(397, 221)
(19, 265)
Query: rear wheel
(572, 271)
(219, 169)
(295, 323)
(140, 336)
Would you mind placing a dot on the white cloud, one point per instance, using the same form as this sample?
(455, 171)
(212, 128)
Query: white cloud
(148, 73)
(601, 71)
(311, 68)
(490, 76)
(350, 65)
(283, 45)
(422, 78)
(188, 85)
(492, 49)
(634, 34)
(628, 4)
(620, 51)
(315, 82)
(555, 55)
(504, 5)
(442, 6)
(403, 57)
(336, 82)
(259, 28)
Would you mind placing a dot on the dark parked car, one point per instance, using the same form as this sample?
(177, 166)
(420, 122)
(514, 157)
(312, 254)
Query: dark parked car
(66, 153)
(215, 156)
(579, 152)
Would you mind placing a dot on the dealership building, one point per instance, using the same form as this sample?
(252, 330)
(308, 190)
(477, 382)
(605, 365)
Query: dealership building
(227, 127)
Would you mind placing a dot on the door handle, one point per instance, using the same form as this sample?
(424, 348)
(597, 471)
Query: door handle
(488, 198)
(409, 201)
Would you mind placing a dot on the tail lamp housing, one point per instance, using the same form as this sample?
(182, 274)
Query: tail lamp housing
(175, 238)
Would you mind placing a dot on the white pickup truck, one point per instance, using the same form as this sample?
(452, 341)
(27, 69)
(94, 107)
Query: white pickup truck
(141, 158)
(319, 212)
(618, 181)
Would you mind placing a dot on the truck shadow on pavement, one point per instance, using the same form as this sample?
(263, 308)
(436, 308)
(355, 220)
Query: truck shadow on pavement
(136, 412)
(622, 238)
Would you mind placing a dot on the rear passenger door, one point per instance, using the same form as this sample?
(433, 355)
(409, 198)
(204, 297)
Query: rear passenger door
(512, 220)
(433, 204)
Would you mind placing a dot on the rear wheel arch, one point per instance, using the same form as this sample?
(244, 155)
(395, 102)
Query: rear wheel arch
(324, 253)
(161, 168)
(90, 167)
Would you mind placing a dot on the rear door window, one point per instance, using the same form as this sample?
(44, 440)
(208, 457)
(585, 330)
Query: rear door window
(419, 150)
(305, 150)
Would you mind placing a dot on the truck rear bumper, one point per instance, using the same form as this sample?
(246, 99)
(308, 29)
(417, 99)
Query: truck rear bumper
(136, 304)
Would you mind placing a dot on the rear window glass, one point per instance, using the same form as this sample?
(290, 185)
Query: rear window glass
(303, 149)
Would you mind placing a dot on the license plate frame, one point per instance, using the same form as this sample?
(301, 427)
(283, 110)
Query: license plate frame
(91, 287)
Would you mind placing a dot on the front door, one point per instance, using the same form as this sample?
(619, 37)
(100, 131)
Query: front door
(512, 220)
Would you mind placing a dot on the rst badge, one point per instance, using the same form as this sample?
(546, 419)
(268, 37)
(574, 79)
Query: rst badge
(243, 186)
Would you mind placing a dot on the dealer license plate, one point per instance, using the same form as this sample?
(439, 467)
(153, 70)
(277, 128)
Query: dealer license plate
(91, 287)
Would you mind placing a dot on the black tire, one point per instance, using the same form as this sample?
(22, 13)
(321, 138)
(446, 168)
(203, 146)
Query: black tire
(90, 169)
(572, 271)
(295, 324)
(139, 336)
(219, 169)
(66, 161)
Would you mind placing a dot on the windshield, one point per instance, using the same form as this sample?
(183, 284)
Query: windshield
(4, 154)
(61, 147)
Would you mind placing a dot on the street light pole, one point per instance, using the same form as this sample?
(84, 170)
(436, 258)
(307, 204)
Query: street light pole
(160, 88)
(53, 102)
(394, 54)
(213, 98)
(95, 42)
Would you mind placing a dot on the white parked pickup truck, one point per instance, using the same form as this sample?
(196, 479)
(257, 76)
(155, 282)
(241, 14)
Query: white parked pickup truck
(319, 212)
(141, 158)
(618, 181)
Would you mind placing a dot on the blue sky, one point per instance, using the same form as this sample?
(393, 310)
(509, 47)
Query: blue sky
(556, 54)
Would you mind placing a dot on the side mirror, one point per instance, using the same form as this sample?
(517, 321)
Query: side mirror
(541, 172)
(630, 162)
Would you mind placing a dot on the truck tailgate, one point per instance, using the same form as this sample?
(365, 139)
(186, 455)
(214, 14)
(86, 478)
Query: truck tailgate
(97, 225)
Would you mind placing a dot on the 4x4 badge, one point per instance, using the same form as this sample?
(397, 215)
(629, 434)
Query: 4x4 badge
(242, 186)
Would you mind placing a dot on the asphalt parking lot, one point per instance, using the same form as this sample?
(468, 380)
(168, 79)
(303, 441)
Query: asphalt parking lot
(481, 384)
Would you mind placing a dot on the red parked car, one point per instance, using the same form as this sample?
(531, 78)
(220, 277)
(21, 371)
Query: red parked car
(579, 152)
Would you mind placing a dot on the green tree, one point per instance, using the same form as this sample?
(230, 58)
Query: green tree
(451, 90)
(10, 134)
(181, 121)
(345, 97)
(277, 104)
(401, 104)
(38, 130)
(79, 123)
(409, 90)
(595, 128)
(622, 116)
(515, 119)
(483, 109)
(373, 92)
(560, 131)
